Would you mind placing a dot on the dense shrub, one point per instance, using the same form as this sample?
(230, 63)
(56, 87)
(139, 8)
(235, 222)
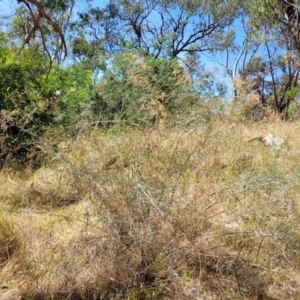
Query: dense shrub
(32, 100)
(72, 87)
(139, 90)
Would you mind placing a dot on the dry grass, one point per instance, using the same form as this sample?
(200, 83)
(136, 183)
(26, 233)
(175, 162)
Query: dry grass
(197, 213)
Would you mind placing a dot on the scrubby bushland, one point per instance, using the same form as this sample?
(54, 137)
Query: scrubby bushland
(33, 100)
(156, 214)
(141, 90)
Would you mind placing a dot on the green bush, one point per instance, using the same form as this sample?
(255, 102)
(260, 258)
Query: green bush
(72, 87)
(32, 101)
(139, 90)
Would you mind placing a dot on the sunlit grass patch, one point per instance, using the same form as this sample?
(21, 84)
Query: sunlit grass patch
(168, 214)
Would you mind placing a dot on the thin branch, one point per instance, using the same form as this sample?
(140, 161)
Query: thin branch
(41, 14)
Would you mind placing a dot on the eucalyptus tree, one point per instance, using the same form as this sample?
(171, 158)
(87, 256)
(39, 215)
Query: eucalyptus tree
(238, 48)
(43, 23)
(277, 27)
(160, 28)
(260, 52)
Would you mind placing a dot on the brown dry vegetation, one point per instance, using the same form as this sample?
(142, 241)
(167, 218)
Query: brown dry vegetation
(173, 213)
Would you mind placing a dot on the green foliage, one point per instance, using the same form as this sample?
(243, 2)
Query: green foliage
(169, 78)
(72, 87)
(291, 111)
(175, 29)
(32, 101)
(138, 90)
(209, 87)
(58, 5)
(21, 116)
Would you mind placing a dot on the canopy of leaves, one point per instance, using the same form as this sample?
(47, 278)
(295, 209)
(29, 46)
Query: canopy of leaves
(159, 28)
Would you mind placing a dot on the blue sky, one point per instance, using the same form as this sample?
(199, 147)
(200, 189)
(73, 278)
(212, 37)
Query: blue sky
(7, 7)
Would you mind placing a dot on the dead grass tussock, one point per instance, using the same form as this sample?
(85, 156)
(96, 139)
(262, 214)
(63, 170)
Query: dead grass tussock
(11, 241)
(48, 262)
(176, 214)
(48, 187)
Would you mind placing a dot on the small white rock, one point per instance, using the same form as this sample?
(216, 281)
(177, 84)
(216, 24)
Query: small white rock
(273, 141)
